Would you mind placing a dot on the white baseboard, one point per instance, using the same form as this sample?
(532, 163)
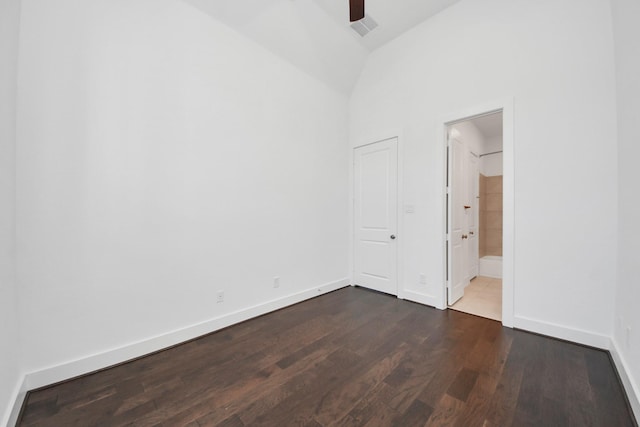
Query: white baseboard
(628, 382)
(420, 298)
(13, 411)
(562, 332)
(84, 365)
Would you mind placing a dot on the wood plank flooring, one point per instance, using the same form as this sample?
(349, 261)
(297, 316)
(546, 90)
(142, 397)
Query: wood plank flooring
(349, 358)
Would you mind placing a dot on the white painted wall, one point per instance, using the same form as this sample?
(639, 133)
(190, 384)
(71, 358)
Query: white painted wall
(470, 135)
(303, 32)
(9, 342)
(492, 144)
(626, 14)
(491, 165)
(556, 60)
(161, 158)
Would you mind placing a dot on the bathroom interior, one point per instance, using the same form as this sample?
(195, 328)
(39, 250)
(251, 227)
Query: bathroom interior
(483, 294)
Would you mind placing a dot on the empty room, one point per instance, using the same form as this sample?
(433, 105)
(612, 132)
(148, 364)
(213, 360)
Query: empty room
(279, 212)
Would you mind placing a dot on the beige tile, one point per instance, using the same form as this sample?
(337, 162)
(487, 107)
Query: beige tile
(483, 297)
(495, 283)
(493, 294)
(494, 184)
(495, 233)
(493, 239)
(478, 283)
(493, 251)
(494, 220)
(494, 202)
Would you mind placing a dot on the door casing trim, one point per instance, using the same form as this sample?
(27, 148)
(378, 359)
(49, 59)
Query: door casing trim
(383, 136)
(506, 105)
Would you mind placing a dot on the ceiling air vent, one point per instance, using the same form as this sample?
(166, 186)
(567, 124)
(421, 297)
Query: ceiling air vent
(364, 26)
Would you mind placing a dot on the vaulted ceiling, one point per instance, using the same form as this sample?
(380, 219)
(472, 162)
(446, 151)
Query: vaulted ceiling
(315, 35)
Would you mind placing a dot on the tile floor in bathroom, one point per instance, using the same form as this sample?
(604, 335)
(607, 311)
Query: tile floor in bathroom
(483, 297)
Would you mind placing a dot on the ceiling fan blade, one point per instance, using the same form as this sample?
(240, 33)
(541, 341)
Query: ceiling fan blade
(356, 10)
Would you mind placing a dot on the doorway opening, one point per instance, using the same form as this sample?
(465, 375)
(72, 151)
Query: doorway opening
(475, 215)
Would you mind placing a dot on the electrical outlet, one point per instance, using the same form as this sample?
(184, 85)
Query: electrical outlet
(628, 336)
(423, 278)
(276, 282)
(220, 297)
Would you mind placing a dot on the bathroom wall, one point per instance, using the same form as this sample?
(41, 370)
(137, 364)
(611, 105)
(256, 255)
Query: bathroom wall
(490, 220)
(491, 165)
(490, 206)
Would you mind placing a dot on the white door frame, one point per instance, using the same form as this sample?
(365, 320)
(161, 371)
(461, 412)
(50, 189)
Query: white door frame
(473, 198)
(372, 139)
(507, 108)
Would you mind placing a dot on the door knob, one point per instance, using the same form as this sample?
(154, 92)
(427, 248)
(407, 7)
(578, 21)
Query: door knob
(464, 236)
(393, 237)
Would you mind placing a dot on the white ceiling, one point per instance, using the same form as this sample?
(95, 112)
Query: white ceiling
(490, 125)
(315, 35)
(393, 16)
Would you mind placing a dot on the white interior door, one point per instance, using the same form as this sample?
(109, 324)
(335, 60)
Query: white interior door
(473, 193)
(458, 233)
(375, 210)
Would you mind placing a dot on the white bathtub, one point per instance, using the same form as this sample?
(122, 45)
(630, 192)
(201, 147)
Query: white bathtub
(490, 266)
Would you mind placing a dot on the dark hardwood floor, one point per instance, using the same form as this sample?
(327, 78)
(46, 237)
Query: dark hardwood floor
(351, 357)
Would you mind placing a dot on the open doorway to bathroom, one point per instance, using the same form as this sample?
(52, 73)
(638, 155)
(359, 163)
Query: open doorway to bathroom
(475, 215)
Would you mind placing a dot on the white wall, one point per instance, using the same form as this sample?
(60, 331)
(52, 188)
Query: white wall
(162, 158)
(303, 32)
(9, 342)
(626, 14)
(470, 135)
(491, 165)
(556, 60)
(492, 144)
